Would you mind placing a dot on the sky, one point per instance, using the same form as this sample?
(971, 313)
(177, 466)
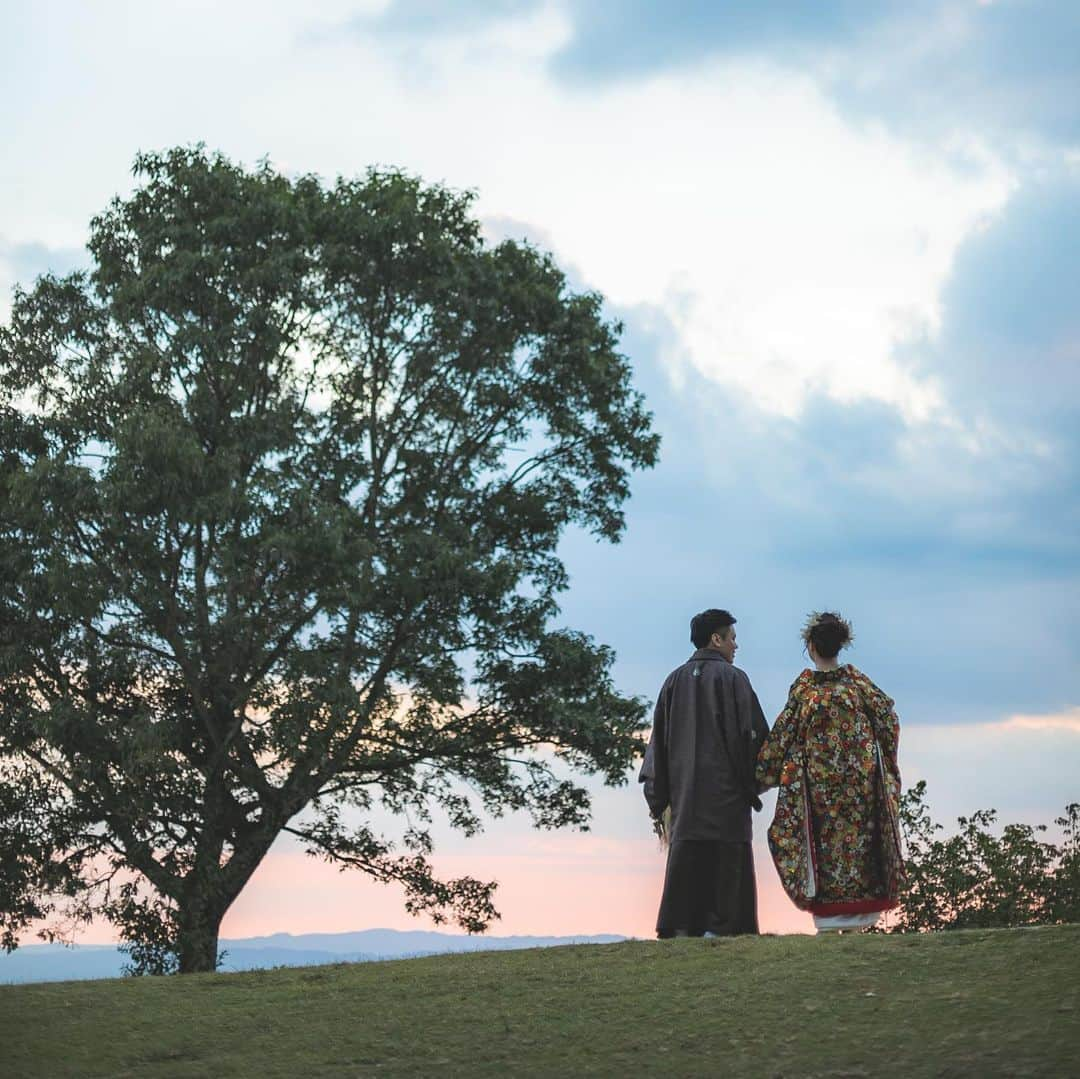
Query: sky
(844, 243)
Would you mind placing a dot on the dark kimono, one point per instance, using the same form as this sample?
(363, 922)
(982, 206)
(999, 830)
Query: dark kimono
(707, 727)
(835, 838)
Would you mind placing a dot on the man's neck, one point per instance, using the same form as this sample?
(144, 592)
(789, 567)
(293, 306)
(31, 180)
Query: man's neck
(718, 652)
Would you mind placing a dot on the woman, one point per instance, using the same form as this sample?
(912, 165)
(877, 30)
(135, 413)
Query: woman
(832, 752)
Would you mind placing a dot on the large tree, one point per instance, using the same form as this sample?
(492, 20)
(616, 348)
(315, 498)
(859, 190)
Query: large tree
(282, 480)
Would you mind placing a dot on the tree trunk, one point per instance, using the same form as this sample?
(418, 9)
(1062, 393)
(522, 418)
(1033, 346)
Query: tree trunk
(197, 942)
(209, 894)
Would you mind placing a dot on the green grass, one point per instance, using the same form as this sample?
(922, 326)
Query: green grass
(980, 1003)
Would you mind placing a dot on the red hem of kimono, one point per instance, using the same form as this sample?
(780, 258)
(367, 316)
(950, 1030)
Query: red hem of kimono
(854, 906)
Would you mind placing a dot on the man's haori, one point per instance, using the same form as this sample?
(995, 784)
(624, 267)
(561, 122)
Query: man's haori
(707, 728)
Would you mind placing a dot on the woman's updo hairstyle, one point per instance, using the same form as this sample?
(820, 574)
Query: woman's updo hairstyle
(828, 633)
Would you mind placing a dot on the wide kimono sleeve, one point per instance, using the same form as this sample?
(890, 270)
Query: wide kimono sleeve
(777, 745)
(752, 722)
(654, 769)
(750, 731)
(882, 712)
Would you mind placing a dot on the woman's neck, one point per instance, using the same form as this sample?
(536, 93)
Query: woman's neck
(826, 664)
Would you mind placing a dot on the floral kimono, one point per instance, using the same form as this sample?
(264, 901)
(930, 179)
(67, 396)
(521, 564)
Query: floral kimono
(835, 838)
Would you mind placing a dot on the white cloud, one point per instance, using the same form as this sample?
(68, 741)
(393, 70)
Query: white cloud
(792, 253)
(791, 250)
(1024, 766)
(1068, 720)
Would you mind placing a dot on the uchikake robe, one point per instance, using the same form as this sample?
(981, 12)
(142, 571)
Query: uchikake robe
(707, 727)
(835, 837)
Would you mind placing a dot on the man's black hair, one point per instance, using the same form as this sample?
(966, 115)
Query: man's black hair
(704, 625)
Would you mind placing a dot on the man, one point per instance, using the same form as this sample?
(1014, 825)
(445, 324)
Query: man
(707, 728)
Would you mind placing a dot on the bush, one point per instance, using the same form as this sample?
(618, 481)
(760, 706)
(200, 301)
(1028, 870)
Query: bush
(976, 879)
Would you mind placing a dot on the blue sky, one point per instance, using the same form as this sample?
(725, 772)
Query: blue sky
(844, 240)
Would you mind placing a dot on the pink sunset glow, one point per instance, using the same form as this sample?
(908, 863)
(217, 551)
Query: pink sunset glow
(572, 885)
(549, 885)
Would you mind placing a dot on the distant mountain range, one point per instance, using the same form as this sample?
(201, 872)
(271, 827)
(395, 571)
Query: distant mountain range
(55, 962)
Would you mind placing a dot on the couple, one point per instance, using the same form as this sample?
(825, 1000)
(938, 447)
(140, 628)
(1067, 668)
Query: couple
(835, 837)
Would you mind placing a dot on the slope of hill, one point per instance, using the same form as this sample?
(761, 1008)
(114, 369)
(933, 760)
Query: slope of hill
(54, 962)
(980, 1003)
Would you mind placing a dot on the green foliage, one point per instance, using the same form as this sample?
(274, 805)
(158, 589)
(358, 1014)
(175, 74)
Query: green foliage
(976, 879)
(282, 483)
(39, 858)
(1063, 901)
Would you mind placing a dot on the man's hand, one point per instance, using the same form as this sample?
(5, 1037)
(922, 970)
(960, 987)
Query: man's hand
(662, 827)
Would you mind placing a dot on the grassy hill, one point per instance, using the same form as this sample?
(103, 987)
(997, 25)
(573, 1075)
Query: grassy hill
(981, 1003)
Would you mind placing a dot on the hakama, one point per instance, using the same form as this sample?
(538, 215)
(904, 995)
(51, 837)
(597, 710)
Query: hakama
(709, 887)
